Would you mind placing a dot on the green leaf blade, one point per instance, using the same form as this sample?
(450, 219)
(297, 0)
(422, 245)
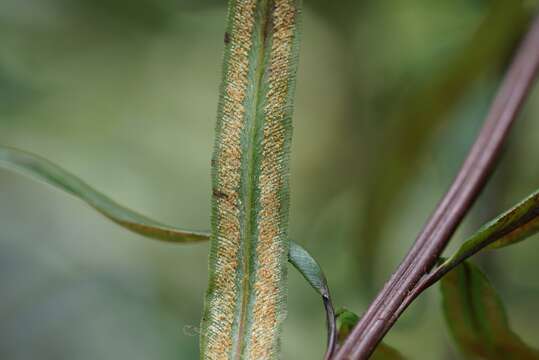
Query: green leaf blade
(476, 317)
(53, 175)
(309, 269)
(515, 225)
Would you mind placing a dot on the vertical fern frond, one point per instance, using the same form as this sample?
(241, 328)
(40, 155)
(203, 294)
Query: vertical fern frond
(246, 299)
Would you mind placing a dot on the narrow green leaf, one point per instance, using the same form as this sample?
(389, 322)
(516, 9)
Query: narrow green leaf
(51, 174)
(246, 298)
(476, 317)
(346, 320)
(516, 224)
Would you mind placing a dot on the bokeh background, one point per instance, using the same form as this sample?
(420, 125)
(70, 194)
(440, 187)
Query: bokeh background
(123, 93)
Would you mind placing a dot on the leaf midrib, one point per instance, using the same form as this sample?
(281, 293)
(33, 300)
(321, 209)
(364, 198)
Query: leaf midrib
(249, 175)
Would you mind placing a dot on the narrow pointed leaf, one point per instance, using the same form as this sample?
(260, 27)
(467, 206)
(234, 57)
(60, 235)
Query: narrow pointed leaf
(312, 272)
(516, 224)
(346, 320)
(51, 174)
(476, 317)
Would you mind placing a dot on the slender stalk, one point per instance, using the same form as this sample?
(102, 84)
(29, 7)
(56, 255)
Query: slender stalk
(473, 175)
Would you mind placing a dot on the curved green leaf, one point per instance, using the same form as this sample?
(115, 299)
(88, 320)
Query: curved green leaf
(476, 317)
(516, 224)
(346, 320)
(312, 272)
(309, 269)
(51, 174)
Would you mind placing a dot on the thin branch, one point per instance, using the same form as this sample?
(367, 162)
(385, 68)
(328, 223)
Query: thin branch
(469, 182)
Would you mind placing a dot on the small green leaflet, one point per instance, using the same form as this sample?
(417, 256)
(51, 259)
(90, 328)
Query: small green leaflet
(346, 320)
(310, 269)
(516, 224)
(476, 317)
(312, 272)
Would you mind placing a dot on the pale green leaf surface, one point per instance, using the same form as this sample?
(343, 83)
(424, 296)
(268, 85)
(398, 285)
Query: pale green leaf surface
(312, 272)
(309, 269)
(476, 317)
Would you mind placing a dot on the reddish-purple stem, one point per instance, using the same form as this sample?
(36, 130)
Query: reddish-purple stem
(473, 175)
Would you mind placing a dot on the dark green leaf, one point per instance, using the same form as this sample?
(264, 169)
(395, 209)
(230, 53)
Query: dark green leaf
(515, 225)
(346, 320)
(476, 317)
(49, 173)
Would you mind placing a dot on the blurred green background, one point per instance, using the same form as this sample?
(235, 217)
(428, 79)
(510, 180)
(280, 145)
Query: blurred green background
(123, 93)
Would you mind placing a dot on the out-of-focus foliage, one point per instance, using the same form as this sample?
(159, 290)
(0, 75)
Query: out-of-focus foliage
(124, 94)
(477, 319)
